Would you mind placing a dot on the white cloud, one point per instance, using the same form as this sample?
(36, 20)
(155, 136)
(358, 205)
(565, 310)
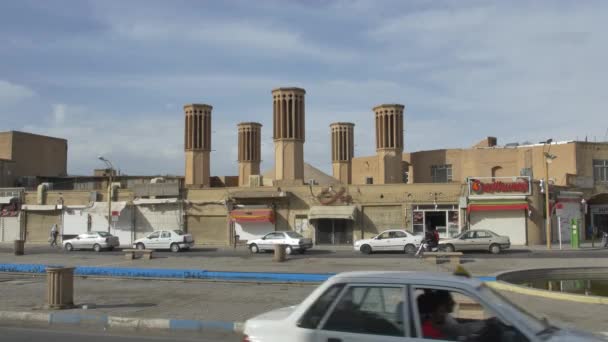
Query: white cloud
(11, 93)
(59, 113)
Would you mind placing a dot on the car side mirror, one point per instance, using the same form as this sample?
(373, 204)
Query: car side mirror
(263, 238)
(378, 238)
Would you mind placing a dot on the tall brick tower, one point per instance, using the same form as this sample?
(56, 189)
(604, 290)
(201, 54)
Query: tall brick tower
(342, 150)
(288, 135)
(389, 142)
(250, 142)
(197, 144)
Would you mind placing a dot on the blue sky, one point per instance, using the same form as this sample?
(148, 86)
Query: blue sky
(112, 76)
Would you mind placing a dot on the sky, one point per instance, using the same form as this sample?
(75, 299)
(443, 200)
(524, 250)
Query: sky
(112, 76)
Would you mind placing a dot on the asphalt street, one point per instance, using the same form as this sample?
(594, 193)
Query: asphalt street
(18, 332)
(328, 252)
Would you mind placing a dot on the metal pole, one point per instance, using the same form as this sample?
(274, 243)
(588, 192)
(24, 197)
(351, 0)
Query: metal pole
(548, 215)
(110, 203)
(559, 227)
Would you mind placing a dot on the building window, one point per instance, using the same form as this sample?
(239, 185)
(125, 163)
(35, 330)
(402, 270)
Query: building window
(405, 177)
(369, 180)
(441, 173)
(600, 171)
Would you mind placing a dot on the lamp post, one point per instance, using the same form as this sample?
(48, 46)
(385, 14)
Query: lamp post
(548, 160)
(109, 164)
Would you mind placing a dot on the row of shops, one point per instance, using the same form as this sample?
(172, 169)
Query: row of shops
(510, 206)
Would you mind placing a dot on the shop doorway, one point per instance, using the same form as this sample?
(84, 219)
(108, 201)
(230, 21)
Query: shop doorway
(438, 220)
(333, 232)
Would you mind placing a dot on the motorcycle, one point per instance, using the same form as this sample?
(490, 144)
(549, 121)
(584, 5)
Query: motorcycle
(427, 245)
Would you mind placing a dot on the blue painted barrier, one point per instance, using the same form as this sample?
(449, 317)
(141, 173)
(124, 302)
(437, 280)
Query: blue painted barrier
(182, 274)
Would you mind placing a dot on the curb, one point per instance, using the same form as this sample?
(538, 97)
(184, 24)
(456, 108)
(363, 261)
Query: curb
(186, 274)
(174, 273)
(501, 285)
(105, 321)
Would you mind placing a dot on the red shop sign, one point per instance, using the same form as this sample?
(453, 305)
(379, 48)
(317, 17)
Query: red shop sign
(478, 187)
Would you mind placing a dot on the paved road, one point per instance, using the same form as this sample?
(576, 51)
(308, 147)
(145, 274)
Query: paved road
(327, 252)
(17, 332)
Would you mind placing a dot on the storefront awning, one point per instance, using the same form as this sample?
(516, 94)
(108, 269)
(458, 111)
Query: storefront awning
(497, 206)
(342, 212)
(252, 215)
(38, 207)
(7, 199)
(152, 201)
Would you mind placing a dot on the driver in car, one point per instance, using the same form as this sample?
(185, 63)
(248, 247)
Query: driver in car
(435, 307)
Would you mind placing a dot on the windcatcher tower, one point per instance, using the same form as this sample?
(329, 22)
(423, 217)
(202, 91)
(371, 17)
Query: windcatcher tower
(288, 135)
(389, 142)
(250, 140)
(342, 150)
(197, 144)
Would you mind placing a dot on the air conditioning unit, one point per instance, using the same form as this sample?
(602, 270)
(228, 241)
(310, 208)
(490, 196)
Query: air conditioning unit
(312, 181)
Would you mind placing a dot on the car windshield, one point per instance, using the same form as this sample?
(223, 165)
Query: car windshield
(506, 306)
(104, 234)
(294, 235)
(179, 232)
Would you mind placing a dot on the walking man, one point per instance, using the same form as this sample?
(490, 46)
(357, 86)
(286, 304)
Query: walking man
(54, 234)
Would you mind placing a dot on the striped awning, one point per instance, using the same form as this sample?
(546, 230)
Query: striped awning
(252, 215)
(497, 205)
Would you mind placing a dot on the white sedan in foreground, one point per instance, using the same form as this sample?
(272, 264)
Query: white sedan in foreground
(175, 240)
(404, 306)
(293, 240)
(390, 240)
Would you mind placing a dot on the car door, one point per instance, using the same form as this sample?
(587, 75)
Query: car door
(164, 241)
(380, 243)
(366, 313)
(152, 240)
(483, 240)
(399, 240)
(466, 241)
(267, 241)
(80, 241)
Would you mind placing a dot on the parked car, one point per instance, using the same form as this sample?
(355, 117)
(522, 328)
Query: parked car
(390, 240)
(293, 240)
(476, 239)
(175, 240)
(92, 240)
(397, 306)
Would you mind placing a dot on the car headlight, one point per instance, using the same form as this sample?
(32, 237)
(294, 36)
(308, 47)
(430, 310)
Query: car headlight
(357, 243)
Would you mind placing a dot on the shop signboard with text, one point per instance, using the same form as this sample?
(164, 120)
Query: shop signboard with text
(499, 186)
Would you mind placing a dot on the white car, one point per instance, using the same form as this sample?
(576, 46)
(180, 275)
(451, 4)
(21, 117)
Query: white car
(403, 306)
(390, 240)
(293, 240)
(175, 240)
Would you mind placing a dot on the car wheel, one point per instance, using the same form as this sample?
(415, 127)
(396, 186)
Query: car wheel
(288, 250)
(254, 248)
(69, 247)
(97, 248)
(174, 248)
(494, 249)
(140, 246)
(449, 248)
(366, 249)
(409, 249)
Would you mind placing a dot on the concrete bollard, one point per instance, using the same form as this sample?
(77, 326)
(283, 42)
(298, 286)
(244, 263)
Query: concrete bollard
(19, 247)
(60, 287)
(279, 253)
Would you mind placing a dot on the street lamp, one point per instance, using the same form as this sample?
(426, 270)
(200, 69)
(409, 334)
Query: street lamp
(109, 164)
(548, 160)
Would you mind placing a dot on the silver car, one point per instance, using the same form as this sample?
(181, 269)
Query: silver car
(92, 240)
(476, 240)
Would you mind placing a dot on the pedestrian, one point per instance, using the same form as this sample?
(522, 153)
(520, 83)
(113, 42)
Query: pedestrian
(605, 238)
(54, 234)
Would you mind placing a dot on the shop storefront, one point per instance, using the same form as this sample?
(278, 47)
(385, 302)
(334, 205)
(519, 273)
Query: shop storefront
(252, 222)
(500, 204)
(10, 219)
(333, 224)
(445, 218)
(599, 217)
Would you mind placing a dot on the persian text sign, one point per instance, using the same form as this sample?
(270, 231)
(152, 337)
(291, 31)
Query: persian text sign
(499, 186)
